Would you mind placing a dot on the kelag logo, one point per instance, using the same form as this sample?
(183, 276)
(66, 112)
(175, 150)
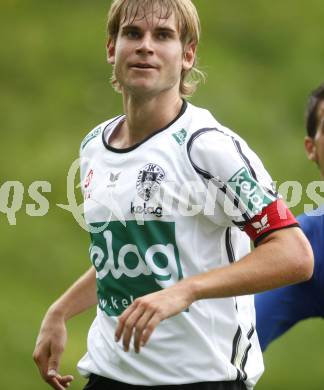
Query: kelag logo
(148, 262)
(251, 194)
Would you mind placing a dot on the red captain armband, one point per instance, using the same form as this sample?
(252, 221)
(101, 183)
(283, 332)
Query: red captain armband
(273, 217)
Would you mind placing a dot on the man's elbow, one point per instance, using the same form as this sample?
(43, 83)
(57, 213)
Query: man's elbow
(302, 260)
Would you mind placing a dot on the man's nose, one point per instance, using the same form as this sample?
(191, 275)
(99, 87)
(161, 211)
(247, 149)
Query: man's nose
(145, 45)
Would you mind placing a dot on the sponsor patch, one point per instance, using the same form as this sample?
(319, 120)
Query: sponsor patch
(251, 193)
(132, 261)
(180, 136)
(90, 136)
(146, 210)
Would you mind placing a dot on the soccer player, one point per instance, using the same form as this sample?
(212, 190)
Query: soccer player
(280, 309)
(171, 278)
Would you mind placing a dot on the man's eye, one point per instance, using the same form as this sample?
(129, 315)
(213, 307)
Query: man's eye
(163, 35)
(132, 34)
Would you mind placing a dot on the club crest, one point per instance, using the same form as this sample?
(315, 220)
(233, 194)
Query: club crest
(149, 180)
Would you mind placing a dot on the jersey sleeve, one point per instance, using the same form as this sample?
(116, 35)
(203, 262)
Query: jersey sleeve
(244, 189)
(87, 149)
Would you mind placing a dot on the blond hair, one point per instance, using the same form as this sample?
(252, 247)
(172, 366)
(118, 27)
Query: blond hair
(188, 24)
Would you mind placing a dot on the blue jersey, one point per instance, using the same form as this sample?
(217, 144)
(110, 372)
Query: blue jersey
(313, 226)
(278, 310)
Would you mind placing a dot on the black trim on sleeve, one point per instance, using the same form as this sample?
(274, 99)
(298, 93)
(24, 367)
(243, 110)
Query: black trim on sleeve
(129, 149)
(245, 159)
(236, 144)
(275, 194)
(250, 168)
(240, 225)
(194, 136)
(229, 246)
(207, 175)
(264, 235)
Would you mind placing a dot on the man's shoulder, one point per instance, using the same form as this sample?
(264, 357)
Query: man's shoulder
(205, 126)
(96, 132)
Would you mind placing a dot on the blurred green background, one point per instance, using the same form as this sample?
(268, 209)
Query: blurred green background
(262, 59)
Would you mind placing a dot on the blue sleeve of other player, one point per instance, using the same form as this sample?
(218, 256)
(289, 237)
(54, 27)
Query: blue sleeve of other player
(278, 310)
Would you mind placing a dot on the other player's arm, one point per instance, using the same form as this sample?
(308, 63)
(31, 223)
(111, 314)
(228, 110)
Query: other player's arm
(52, 335)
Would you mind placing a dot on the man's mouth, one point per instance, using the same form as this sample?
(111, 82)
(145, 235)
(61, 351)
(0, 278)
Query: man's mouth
(143, 66)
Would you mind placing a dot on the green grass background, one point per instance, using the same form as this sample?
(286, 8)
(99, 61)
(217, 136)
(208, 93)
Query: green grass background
(262, 58)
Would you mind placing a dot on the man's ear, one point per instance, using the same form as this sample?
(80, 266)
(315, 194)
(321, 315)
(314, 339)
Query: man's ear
(110, 51)
(189, 56)
(310, 148)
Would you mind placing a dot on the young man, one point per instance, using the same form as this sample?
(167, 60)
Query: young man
(278, 310)
(173, 303)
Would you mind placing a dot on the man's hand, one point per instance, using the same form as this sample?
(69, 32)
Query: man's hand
(145, 313)
(52, 335)
(48, 350)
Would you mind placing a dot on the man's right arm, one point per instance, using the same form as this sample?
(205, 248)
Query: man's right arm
(52, 335)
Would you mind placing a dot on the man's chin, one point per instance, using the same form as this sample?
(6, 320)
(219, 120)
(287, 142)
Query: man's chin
(142, 89)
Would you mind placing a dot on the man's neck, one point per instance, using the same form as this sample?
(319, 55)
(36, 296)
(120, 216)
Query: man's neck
(145, 116)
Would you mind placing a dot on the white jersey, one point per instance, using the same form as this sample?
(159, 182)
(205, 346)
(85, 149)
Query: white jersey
(154, 219)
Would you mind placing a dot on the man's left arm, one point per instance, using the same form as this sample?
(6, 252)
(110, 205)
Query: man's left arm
(282, 257)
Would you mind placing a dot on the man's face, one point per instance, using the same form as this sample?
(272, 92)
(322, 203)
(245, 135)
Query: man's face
(315, 146)
(148, 55)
